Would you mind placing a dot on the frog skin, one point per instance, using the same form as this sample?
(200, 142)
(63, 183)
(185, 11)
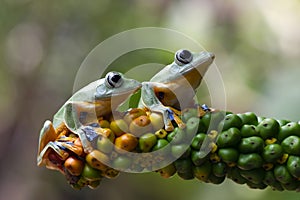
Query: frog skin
(98, 99)
(174, 86)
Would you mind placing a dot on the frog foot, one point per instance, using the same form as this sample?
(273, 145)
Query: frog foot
(171, 116)
(47, 134)
(177, 119)
(203, 109)
(51, 151)
(52, 155)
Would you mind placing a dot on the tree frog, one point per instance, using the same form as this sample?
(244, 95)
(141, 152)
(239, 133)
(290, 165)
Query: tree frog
(175, 84)
(98, 99)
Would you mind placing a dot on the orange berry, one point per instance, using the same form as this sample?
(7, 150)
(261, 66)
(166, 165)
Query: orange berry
(74, 166)
(127, 142)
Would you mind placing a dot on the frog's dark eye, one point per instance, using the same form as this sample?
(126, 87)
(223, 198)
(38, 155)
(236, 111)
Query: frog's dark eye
(113, 79)
(183, 57)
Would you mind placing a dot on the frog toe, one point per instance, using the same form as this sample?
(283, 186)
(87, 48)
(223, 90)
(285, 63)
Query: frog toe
(179, 122)
(169, 126)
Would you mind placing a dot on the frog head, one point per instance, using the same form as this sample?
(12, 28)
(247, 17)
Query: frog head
(116, 86)
(186, 65)
(182, 77)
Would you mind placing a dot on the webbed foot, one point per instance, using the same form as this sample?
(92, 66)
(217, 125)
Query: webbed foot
(47, 134)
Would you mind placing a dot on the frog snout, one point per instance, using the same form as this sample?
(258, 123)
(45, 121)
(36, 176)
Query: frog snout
(212, 55)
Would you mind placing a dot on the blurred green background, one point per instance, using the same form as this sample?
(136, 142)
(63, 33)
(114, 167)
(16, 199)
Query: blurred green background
(43, 43)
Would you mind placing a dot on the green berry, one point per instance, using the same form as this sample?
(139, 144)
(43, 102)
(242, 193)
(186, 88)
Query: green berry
(183, 165)
(104, 144)
(177, 136)
(90, 173)
(289, 129)
(229, 138)
(215, 179)
(202, 172)
(231, 120)
(198, 141)
(188, 175)
(252, 185)
(147, 141)
(292, 186)
(161, 143)
(270, 180)
(234, 174)
(283, 122)
(252, 144)
(198, 157)
(192, 127)
(282, 174)
(268, 128)
(255, 176)
(272, 153)
(249, 161)
(192, 112)
(219, 169)
(167, 171)
(249, 118)
(205, 120)
(291, 145)
(293, 165)
(229, 155)
(215, 119)
(122, 162)
(184, 168)
(249, 130)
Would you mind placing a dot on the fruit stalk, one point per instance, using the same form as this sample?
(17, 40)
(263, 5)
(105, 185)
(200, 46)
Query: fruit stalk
(256, 151)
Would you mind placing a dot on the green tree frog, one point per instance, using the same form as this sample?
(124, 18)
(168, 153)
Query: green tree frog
(175, 85)
(99, 98)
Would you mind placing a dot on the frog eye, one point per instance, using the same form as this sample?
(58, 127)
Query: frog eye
(183, 57)
(113, 80)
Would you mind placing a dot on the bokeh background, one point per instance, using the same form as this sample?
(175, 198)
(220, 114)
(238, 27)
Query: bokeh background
(43, 43)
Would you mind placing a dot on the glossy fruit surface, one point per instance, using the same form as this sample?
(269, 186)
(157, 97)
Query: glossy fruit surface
(91, 173)
(74, 166)
(248, 118)
(119, 127)
(231, 120)
(291, 145)
(147, 141)
(289, 129)
(126, 142)
(293, 165)
(140, 126)
(268, 128)
(272, 153)
(229, 138)
(229, 155)
(252, 144)
(249, 161)
(198, 141)
(248, 130)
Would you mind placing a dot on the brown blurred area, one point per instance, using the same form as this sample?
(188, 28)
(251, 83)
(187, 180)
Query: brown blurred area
(43, 43)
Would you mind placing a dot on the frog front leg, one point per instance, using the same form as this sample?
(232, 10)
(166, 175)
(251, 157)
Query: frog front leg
(150, 101)
(74, 122)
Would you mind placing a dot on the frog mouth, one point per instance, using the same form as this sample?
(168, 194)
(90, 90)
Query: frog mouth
(120, 93)
(201, 64)
(132, 91)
